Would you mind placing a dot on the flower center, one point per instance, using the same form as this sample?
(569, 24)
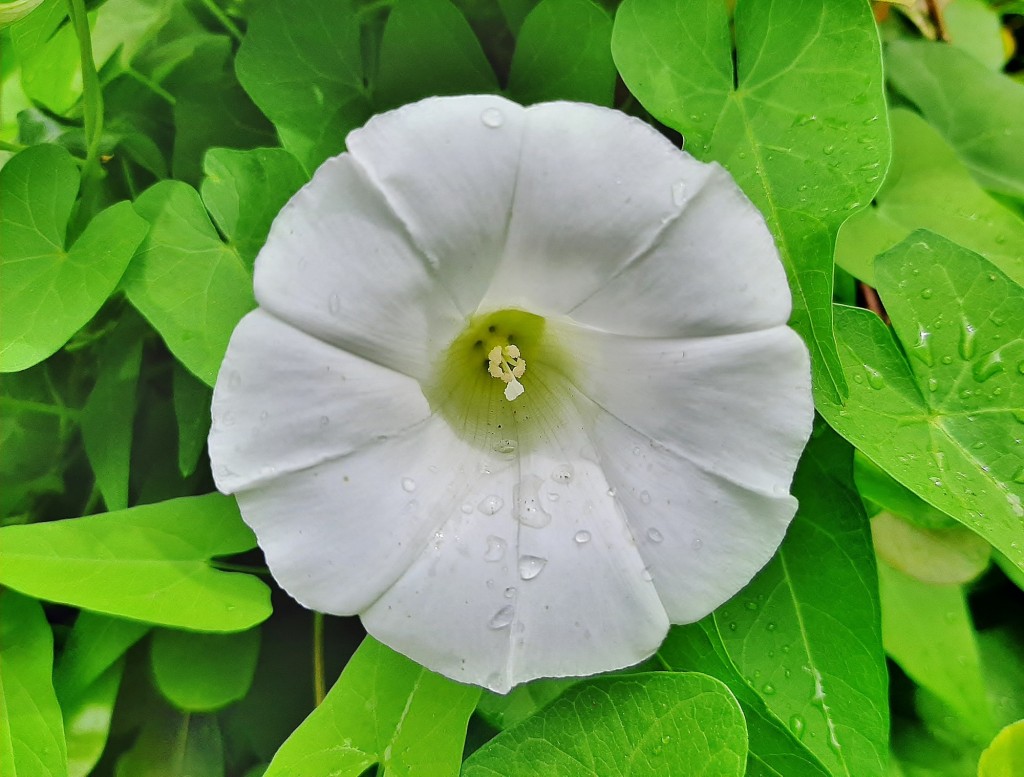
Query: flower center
(481, 381)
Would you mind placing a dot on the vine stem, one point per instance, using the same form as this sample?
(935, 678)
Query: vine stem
(91, 95)
(319, 682)
(223, 18)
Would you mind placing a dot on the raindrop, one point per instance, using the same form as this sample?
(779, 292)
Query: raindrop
(679, 192)
(636, 448)
(583, 536)
(510, 592)
(489, 505)
(751, 605)
(495, 549)
(563, 473)
(923, 350)
(325, 420)
(492, 118)
(968, 346)
(467, 508)
(988, 367)
(334, 303)
(768, 690)
(947, 359)
(654, 535)
(647, 575)
(503, 617)
(797, 725)
(532, 514)
(505, 446)
(553, 496)
(927, 294)
(829, 150)
(933, 384)
(698, 544)
(645, 497)
(771, 626)
(875, 379)
(531, 566)
(408, 485)
(1018, 476)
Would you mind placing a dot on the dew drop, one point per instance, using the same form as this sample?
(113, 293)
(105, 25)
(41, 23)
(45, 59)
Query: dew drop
(922, 350)
(503, 617)
(563, 473)
(505, 446)
(334, 304)
(510, 592)
(679, 192)
(645, 497)
(933, 384)
(582, 537)
(768, 690)
(968, 346)
(531, 566)
(495, 549)
(988, 367)
(408, 485)
(698, 544)
(492, 118)
(947, 359)
(927, 294)
(1018, 476)
(647, 575)
(771, 626)
(324, 421)
(875, 379)
(636, 448)
(797, 726)
(654, 535)
(490, 505)
(467, 508)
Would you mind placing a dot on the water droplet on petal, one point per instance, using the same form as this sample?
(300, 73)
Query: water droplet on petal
(492, 118)
(324, 420)
(645, 497)
(408, 485)
(505, 446)
(495, 549)
(531, 566)
(583, 536)
(679, 192)
(510, 592)
(647, 575)
(334, 304)
(563, 473)
(467, 508)
(698, 544)
(654, 535)
(489, 505)
(503, 617)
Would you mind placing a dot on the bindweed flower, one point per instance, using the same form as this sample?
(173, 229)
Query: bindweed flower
(519, 390)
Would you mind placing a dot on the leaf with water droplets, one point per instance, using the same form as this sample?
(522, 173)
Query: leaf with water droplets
(611, 725)
(795, 111)
(384, 709)
(951, 431)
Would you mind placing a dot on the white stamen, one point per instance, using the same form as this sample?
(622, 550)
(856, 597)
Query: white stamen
(508, 365)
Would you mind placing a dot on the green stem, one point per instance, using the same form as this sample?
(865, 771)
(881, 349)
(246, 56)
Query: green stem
(223, 18)
(8, 146)
(227, 566)
(28, 405)
(91, 94)
(151, 85)
(319, 683)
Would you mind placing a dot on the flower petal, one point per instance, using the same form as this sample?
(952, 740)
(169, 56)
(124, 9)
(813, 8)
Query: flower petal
(338, 264)
(448, 167)
(549, 586)
(738, 406)
(285, 401)
(702, 537)
(338, 534)
(714, 270)
(595, 189)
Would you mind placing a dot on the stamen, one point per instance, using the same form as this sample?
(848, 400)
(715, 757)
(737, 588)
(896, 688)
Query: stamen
(508, 365)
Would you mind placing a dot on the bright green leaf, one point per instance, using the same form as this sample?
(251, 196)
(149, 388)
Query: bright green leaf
(805, 633)
(47, 51)
(244, 190)
(975, 27)
(51, 291)
(800, 122)
(522, 701)
(415, 725)
(301, 63)
(564, 53)
(87, 721)
(928, 187)
(148, 563)
(191, 287)
(203, 672)
(94, 645)
(927, 630)
(876, 486)
(980, 112)
(1002, 655)
(1005, 756)
(639, 725)
(109, 413)
(948, 424)
(429, 49)
(31, 731)
(775, 750)
(175, 745)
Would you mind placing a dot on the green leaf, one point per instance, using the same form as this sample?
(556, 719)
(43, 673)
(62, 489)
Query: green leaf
(947, 556)
(805, 633)
(384, 709)
(51, 291)
(1002, 654)
(109, 413)
(775, 751)
(148, 563)
(244, 190)
(564, 53)
(927, 630)
(204, 672)
(429, 49)
(191, 287)
(47, 51)
(800, 123)
(192, 400)
(87, 721)
(644, 724)
(928, 187)
(95, 644)
(948, 424)
(1005, 756)
(876, 486)
(301, 63)
(173, 745)
(522, 701)
(977, 110)
(974, 26)
(31, 730)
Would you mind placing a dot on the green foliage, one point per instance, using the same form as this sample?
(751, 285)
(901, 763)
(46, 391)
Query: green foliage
(137, 637)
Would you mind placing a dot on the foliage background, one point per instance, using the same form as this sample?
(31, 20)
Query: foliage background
(146, 146)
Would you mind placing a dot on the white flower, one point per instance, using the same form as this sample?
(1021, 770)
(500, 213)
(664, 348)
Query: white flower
(519, 392)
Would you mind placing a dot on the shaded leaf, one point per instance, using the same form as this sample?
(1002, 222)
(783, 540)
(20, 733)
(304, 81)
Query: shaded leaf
(87, 721)
(203, 672)
(95, 644)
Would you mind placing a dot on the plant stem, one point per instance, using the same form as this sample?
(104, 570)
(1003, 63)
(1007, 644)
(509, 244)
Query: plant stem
(223, 18)
(91, 95)
(319, 683)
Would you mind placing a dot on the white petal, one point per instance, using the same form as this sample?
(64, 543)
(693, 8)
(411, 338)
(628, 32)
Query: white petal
(285, 401)
(595, 189)
(338, 264)
(714, 270)
(702, 537)
(738, 406)
(338, 534)
(448, 167)
(551, 585)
